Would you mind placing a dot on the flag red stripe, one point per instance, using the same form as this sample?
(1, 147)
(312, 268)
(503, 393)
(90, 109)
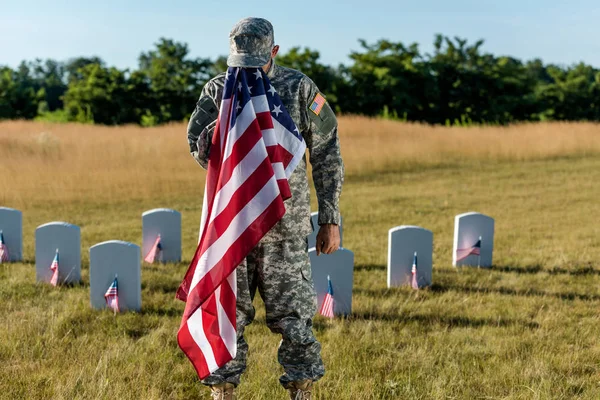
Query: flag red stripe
(210, 323)
(265, 120)
(278, 153)
(192, 350)
(235, 254)
(240, 149)
(243, 145)
(246, 192)
(212, 178)
(228, 296)
(284, 188)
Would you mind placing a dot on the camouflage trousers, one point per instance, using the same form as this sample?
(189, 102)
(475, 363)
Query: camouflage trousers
(281, 273)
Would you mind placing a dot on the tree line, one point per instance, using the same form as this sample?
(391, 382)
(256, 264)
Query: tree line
(457, 84)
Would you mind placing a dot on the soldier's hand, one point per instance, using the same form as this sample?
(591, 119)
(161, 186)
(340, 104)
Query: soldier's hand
(328, 239)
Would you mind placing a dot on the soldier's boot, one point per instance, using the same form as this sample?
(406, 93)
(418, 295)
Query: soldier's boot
(300, 390)
(224, 391)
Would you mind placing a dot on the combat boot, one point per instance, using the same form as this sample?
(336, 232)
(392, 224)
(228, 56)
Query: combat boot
(300, 390)
(224, 391)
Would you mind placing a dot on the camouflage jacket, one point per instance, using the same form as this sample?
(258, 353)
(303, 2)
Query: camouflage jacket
(297, 93)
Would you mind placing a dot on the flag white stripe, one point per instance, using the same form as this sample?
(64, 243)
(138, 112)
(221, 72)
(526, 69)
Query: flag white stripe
(269, 137)
(242, 172)
(196, 329)
(224, 120)
(285, 138)
(226, 327)
(261, 104)
(204, 215)
(279, 171)
(238, 225)
(281, 136)
(242, 122)
(294, 146)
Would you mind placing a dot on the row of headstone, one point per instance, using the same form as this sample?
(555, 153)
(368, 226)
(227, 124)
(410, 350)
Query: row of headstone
(410, 249)
(112, 263)
(161, 240)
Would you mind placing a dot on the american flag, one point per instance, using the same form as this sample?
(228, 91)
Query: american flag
(255, 148)
(461, 254)
(318, 103)
(414, 282)
(4, 257)
(155, 252)
(112, 296)
(54, 269)
(328, 302)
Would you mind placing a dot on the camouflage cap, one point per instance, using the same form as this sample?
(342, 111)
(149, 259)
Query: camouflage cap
(250, 43)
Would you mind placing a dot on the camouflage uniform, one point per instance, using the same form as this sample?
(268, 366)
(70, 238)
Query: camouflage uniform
(279, 266)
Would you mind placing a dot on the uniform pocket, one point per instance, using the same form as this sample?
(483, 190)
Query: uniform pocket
(306, 272)
(305, 267)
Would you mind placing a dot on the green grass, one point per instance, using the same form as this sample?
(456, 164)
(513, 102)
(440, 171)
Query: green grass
(527, 329)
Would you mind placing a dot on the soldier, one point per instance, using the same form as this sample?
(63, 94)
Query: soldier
(279, 266)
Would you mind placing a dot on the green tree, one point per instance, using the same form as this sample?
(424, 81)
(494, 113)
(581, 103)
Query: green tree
(174, 79)
(329, 80)
(100, 95)
(387, 75)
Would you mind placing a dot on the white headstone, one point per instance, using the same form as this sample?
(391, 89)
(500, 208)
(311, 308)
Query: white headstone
(167, 224)
(340, 268)
(468, 228)
(67, 239)
(314, 220)
(403, 242)
(118, 258)
(11, 225)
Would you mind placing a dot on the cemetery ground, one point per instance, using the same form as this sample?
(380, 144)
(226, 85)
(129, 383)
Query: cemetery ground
(526, 329)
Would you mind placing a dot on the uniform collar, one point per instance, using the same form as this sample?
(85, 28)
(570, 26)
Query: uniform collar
(272, 69)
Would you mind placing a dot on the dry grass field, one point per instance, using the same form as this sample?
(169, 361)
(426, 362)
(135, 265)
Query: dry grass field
(527, 329)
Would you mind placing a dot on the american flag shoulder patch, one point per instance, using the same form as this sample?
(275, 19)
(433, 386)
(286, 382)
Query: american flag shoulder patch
(317, 104)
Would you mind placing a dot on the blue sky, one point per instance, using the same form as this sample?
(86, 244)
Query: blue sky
(563, 32)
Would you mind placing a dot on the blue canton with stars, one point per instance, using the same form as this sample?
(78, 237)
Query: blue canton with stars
(241, 84)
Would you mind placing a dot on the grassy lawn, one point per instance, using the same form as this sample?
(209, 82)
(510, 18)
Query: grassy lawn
(527, 329)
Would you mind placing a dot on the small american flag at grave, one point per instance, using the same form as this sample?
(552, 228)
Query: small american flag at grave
(112, 296)
(4, 257)
(461, 254)
(54, 269)
(155, 252)
(328, 301)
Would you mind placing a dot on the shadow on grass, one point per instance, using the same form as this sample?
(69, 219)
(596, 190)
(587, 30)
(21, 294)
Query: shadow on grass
(383, 293)
(164, 267)
(162, 311)
(370, 267)
(449, 321)
(438, 288)
(578, 271)
(161, 286)
(529, 270)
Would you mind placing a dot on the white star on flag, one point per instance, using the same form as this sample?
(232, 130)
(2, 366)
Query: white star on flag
(238, 106)
(277, 110)
(258, 74)
(271, 90)
(240, 86)
(250, 89)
